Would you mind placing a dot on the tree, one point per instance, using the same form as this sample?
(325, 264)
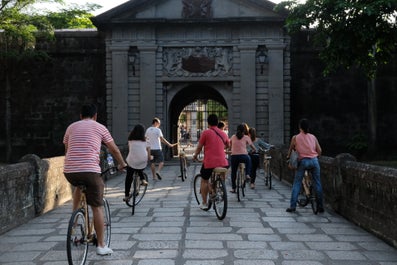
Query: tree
(349, 33)
(20, 26)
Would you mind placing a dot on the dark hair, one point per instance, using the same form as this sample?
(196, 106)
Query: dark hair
(240, 131)
(221, 125)
(155, 120)
(252, 133)
(304, 125)
(138, 133)
(88, 111)
(246, 128)
(212, 120)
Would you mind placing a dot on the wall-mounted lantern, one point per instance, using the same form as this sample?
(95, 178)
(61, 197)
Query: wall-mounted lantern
(131, 60)
(262, 58)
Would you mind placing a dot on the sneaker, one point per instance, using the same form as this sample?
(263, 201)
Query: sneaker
(103, 251)
(203, 206)
(290, 210)
(144, 182)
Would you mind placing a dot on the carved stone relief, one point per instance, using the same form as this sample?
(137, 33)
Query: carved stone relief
(197, 61)
(196, 9)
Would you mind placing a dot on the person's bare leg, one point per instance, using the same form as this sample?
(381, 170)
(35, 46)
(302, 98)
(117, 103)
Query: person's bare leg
(161, 165)
(99, 225)
(153, 168)
(204, 190)
(76, 198)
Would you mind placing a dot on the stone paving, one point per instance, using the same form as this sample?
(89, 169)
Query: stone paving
(168, 228)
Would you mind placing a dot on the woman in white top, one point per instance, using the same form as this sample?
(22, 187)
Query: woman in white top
(138, 157)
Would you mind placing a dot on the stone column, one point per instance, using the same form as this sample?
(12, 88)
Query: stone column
(147, 56)
(276, 92)
(119, 94)
(248, 84)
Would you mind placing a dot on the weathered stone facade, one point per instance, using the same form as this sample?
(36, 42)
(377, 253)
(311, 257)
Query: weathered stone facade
(159, 51)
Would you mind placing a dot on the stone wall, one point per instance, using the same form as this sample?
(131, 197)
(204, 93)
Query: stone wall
(30, 188)
(362, 193)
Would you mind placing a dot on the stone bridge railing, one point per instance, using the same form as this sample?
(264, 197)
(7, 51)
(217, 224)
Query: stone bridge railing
(362, 193)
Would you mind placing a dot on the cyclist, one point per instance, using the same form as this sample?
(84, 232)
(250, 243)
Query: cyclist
(214, 142)
(239, 143)
(82, 142)
(308, 148)
(259, 144)
(137, 158)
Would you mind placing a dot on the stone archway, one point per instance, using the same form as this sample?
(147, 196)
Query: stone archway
(181, 95)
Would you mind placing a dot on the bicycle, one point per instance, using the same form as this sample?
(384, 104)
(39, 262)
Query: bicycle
(240, 181)
(217, 195)
(81, 232)
(308, 193)
(137, 191)
(266, 167)
(182, 163)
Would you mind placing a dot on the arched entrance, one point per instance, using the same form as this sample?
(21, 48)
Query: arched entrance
(204, 97)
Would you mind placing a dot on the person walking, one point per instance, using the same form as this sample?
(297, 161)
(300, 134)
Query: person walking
(308, 149)
(137, 158)
(239, 143)
(214, 141)
(155, 137)
(82, 142)
(254, 155)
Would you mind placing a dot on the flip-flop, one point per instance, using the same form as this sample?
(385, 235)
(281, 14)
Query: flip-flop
(158, 176)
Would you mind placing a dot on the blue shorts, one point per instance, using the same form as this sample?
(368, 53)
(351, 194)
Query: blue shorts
(158, 156)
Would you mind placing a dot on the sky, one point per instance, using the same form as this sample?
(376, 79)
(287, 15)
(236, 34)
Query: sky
(109, 4)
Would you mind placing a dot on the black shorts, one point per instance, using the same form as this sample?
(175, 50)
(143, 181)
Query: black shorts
(158, 156)
(94, 184)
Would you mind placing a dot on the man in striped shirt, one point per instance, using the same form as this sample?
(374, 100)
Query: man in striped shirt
(83, 141)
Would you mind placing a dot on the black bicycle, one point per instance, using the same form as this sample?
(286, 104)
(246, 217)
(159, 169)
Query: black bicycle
(137, 191)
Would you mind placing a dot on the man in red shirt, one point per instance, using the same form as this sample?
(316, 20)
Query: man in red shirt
(82, 142)
(214, 142)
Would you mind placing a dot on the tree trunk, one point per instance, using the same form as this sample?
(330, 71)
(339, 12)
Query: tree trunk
(372, 116)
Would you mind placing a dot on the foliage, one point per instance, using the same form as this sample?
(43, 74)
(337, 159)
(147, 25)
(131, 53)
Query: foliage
(349, 33)
(358, 144)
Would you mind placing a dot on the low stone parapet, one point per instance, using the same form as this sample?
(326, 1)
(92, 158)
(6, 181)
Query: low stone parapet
(362, 193)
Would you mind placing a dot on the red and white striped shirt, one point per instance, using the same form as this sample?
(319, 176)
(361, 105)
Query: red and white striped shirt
(83, 140)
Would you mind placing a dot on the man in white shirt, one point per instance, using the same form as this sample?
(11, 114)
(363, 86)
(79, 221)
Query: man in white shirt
(155, 137)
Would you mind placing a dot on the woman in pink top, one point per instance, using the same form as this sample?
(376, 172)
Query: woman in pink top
(308, 148)
(238, 145)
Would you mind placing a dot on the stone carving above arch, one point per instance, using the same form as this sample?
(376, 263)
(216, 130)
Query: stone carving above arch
(197, 9)
(198, 61)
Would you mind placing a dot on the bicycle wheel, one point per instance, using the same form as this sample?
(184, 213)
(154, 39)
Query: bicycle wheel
(107, 222)
(196, 188)
(269, 176)
(140, 190)
(313, 200)
(76, 239)
(183, 167)
(238, 184)
(303, 200)
(197, 191)
(220, 199)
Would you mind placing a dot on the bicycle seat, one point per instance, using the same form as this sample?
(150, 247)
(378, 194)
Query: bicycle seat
(220, 170)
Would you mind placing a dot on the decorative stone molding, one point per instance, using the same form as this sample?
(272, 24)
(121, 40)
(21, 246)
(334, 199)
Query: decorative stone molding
(197, 9)
(198, 62)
